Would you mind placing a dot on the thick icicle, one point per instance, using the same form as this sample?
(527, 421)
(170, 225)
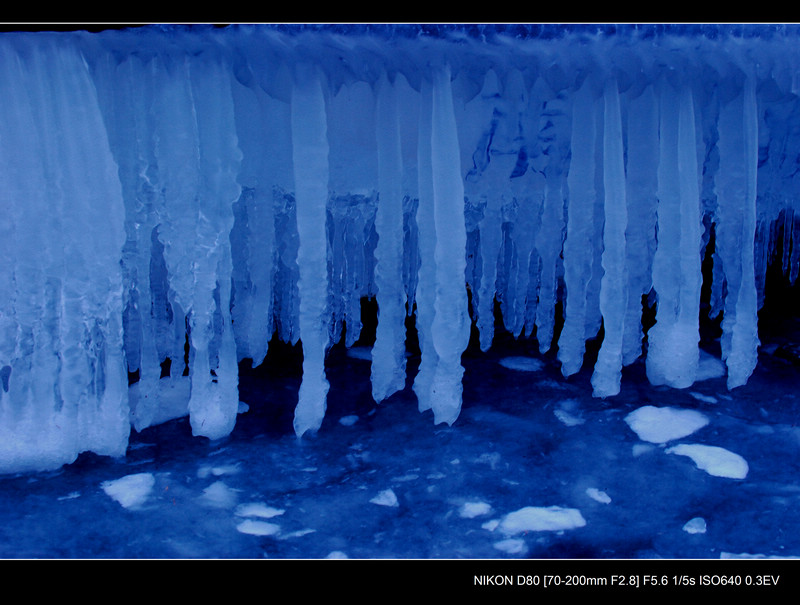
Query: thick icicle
(578, 246)
(253, 275)
(613, 289)
(310, 154)
(66, 389)
(641, 173)
(451, 324)
(736, 187)
(426, 282)
(388, 353)
(673, 352)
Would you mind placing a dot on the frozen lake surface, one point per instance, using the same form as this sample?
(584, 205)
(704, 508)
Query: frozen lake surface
(535, 467)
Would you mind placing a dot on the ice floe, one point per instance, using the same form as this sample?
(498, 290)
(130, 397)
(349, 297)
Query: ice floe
(219, 495)
(470, 510)
(348, 420)
(386, 498)
(599, 496)
(714, 460)
(258, 528)
(258, 509)
(659, 425)
(130, 491)
(695, 526)
(540, 518)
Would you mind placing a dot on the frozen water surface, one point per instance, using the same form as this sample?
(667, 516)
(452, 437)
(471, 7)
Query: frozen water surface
(400, 292)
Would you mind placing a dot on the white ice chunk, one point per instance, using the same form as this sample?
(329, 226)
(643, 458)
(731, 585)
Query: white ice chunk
(596, 494)
(386, 498)
(130, 491)
(714, 460)
(566, 413)
(704, 398)
(470, 510)
(511, 546)
(348, 420)
(258, 509)
(709, 367)
(219, 495)
(337, 554)
(538, 518)
(695, 526)
(258, 528)
(659, 425)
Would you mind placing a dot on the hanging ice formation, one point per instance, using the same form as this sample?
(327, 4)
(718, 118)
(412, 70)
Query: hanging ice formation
(172, 197)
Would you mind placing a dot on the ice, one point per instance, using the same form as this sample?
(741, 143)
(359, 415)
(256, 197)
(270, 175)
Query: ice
(659, 425)
(310, 162)
(386, 498)
(258, 509)
(522, 364)
(470, 510)
(613, 288)
(598, 495)
(175, 199)
(219, 495)
(673, 351)
(130, 491)
(714, 460)
(258, 528)
(388, 353)
(738, 145)
(537, 518)
(695, 526)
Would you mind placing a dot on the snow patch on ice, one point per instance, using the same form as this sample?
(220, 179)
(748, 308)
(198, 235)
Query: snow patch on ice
(258, 528)
(258, 509)
(714, 460)
(567, 418)
(130, 491)
(704, 398)
(217, 471)
(538, 518)
(695, 526)
(659, 425)
(337, 554)
(219, 495)
(596, 494)
(641, 448)
(522, 364)
(709, 367)
(470, 510)
(744, 555)
(386, 498)
(511, 546)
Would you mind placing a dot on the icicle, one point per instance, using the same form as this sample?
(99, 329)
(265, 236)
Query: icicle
(554, 138)
(736, 186)
(673, 352)
(388, 353)
(310, 155)
(613, 290)
(254, 271)
(450, 327)
(578, 246)
(426, 282)
(66, 390)
(641, 186)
